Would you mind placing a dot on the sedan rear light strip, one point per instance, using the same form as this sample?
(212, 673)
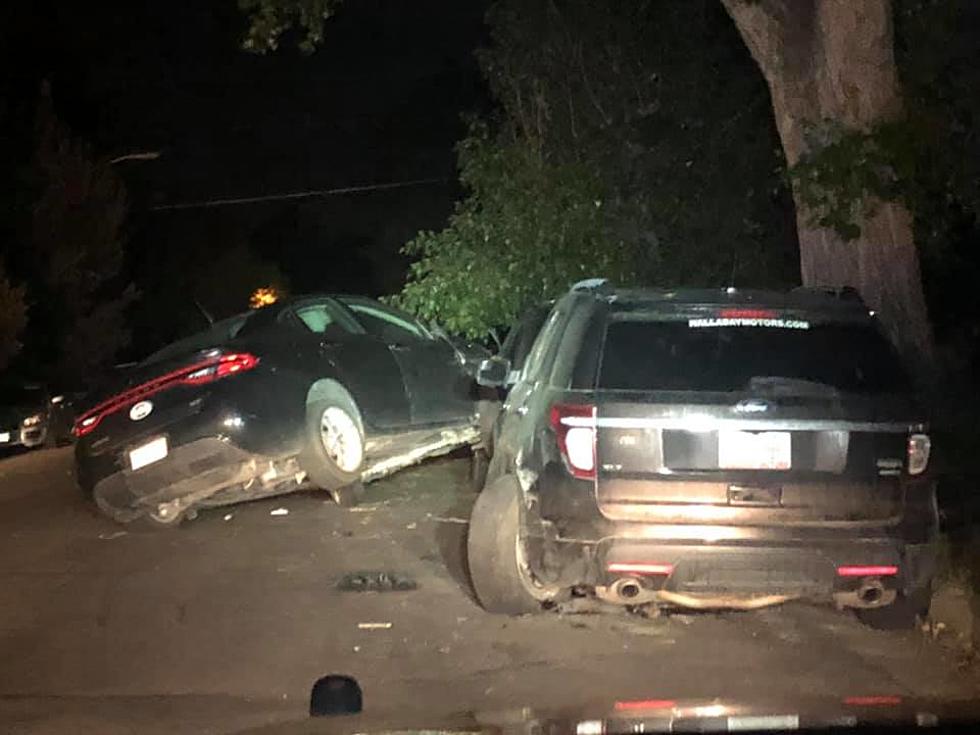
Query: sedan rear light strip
(85, 425)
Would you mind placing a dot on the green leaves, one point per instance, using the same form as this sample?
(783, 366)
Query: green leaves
(269, 19)
(526, 231)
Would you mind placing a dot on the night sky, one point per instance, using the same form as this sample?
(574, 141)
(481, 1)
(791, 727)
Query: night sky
(380, 101)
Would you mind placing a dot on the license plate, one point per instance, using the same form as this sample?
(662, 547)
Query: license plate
(4, 437)
(149, 453)
(748, 450)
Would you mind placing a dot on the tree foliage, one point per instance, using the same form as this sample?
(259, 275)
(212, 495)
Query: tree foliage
(270, 19)
(611, 90)
(13, 318)
(527, 228)
(77, 247)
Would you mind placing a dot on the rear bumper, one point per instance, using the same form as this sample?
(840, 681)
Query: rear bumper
(778, 569)
(714, 559)
(191, 473)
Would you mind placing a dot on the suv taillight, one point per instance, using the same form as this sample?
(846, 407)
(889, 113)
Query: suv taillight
(574, 425)
(919, 447)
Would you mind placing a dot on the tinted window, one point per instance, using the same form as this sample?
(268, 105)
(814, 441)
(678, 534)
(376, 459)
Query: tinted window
(389, 324)
(535, 361)
(217, 335)
(660, 355)
(518, 344)
(326, 319)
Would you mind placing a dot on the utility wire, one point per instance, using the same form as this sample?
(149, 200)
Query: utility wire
(298, 194)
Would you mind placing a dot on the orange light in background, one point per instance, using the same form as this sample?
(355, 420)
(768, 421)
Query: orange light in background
(263, 297)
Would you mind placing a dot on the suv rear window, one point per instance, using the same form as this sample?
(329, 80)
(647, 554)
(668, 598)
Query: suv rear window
(654, 354)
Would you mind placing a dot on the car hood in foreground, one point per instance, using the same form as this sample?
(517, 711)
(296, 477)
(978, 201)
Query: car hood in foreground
(859, 713)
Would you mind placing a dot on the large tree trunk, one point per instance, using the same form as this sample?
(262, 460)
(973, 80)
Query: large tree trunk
(834, 60)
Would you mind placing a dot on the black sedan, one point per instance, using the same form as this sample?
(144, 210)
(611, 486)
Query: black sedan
(324, 391)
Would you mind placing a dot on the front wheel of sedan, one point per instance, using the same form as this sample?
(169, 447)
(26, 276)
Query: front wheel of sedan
(333, 447)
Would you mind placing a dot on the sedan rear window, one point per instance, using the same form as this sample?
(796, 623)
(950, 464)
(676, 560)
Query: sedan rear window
(686, 356)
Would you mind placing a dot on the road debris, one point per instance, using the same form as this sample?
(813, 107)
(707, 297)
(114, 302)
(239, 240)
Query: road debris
(412, 526)
(229, 516)
(448, 519)
(374, 626)
(368, 508)
(279, 512)
(111, 536)
(376, 582)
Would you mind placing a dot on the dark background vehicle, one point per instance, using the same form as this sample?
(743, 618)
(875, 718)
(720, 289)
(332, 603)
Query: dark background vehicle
(31, 417)
(322, 390)
(709, 449)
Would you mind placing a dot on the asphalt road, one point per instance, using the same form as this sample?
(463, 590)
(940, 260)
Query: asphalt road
(224, 624)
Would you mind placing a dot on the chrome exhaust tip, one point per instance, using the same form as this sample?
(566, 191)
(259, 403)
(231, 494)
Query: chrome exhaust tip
(871, 591)
(627, 589)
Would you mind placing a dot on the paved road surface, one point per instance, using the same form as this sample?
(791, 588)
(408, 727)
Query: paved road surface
(224, 624)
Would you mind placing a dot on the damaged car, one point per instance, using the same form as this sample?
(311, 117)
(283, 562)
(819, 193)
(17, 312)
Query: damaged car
(322, 391)
(708, 449)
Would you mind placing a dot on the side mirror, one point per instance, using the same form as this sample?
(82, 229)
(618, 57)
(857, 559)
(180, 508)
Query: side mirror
(493, 372)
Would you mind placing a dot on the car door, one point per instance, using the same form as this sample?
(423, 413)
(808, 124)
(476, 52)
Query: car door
(336, 345)
(438, 388)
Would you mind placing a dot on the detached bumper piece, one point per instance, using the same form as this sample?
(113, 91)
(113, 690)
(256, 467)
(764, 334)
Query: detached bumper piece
(203, 472)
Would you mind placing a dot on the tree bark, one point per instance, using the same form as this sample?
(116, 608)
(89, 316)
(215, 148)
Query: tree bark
(834, 60)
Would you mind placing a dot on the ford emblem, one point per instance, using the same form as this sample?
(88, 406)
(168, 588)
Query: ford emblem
(140, 410)
(752, 405)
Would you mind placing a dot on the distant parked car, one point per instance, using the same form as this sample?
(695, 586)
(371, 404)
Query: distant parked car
(708, 449)
(31, 417)
(324, 391)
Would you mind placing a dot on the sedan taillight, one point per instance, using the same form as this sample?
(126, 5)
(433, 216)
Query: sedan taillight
(225, 366)
(213, 368)
(919, 447)
(575, 428)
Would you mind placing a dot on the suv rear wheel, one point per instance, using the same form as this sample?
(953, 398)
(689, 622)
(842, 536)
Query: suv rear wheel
(495, 550)
(901, 614)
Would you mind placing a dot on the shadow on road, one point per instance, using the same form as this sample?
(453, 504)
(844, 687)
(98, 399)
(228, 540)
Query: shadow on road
(451, 540)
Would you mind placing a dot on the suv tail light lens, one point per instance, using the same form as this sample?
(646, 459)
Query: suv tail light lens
(919, 447)
(574, 426)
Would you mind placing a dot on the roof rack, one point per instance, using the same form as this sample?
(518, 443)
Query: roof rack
(595, 285)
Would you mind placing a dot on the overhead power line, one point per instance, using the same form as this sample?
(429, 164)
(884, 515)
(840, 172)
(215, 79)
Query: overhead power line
(298, 194)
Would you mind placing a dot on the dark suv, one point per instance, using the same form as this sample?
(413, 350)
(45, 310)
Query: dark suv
(708, 449)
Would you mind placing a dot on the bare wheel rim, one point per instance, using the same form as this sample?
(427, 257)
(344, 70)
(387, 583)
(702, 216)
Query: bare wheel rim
(341, 439)
(537, 590)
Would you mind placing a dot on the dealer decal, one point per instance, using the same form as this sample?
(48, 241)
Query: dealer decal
(770, 322)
